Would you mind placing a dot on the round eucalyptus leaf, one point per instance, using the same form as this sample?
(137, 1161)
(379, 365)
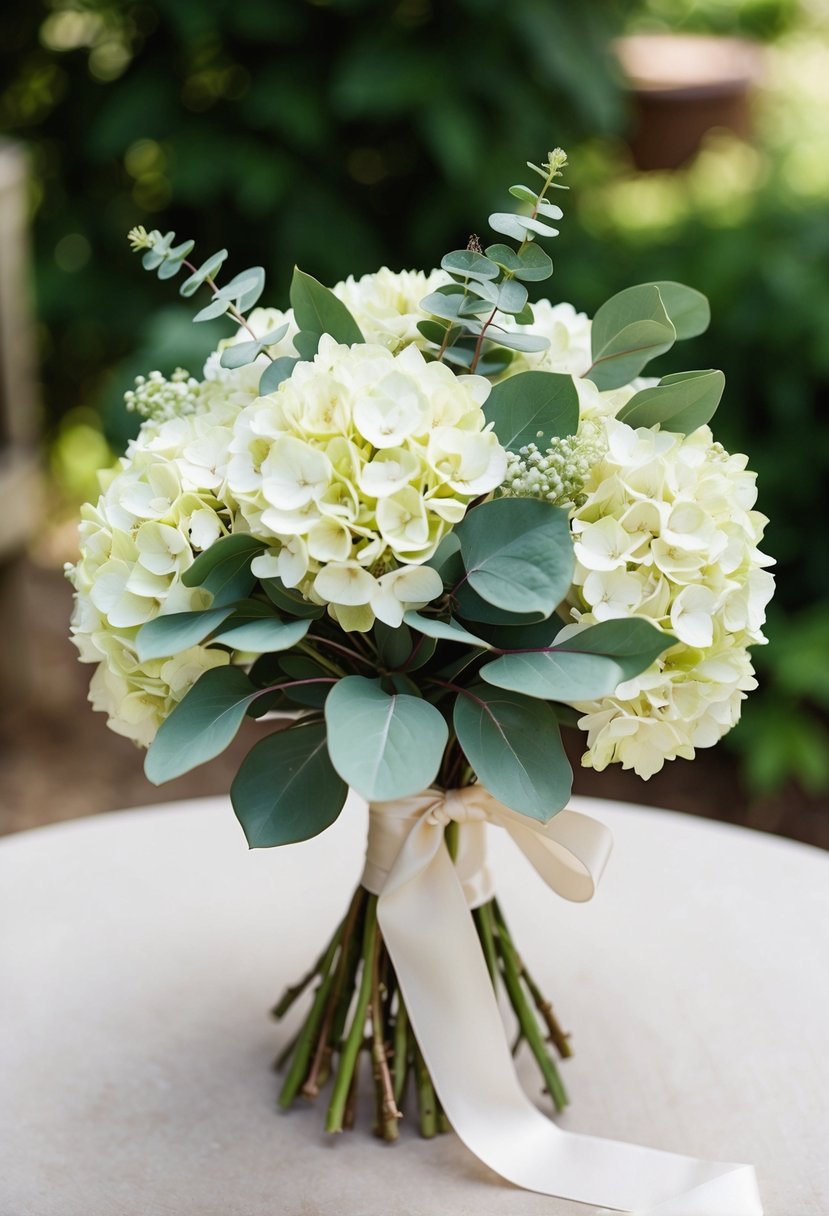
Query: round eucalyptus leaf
(384, 745)
(286, 789)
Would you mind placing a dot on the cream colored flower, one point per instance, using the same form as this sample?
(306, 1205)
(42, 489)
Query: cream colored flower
(374, 499)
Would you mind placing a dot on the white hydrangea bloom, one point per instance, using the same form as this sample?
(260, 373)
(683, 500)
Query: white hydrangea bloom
(386, 304)
(354, 470)
(161, 505)
(667, 530)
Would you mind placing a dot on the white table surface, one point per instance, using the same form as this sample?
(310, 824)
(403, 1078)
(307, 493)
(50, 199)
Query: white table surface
(141, 951)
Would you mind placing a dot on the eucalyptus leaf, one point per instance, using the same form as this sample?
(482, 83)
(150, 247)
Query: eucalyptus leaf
(688, 309)
(584, 667)
(257, 630)
(290, 600)
(207, 270)
(533, 407)
(446, 559)
(518, 554)
(277, 370)
(470, 264)
(394, 646)
(528, 343)
(201, 725)
(168, 269)
(176, 631)
(511, 297)
(446, 631)
(629, 330)
(216, 308)
(245, 288)
(533, 265)
(300, 667)
(514, 745)
(524, 193)
(224, 568)
(384, 745)
(681, 402)
(471, 607)
(318, 311)
(286, 789)
(520, 227)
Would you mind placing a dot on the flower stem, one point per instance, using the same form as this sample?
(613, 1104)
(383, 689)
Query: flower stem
(526, 1017)
(387, 1111)
(307, 1038)
(354, 1040)
(426, 1103)
(400, 1059)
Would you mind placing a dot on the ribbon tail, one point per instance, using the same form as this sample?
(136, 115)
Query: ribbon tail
(448, 993)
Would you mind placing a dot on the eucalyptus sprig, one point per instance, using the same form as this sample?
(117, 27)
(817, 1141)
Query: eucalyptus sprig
(488, 282)
(233, 299)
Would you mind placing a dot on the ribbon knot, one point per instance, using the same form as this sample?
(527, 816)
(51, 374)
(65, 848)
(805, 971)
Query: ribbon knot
(456, 806)
(423, 911)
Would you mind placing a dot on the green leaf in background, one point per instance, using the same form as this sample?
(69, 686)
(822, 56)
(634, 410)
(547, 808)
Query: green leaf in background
(385, 746)
(514, 745)
(224, 568)
(446, 631)
(681, 402)
(317, 311)
(588, 665)
(202, 724)
(286, 789)
(177, 631)
(255, 627)
(533, 407)
(688, 309)
(629, 330)
(518, 554)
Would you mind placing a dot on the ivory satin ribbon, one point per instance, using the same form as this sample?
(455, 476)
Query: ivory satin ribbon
(423, 911)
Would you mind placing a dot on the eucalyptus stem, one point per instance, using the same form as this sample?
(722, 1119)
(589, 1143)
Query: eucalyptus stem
(354, 1040)
(292, 993)
(307, 1037)
(400, 1058)
(483, 921)
(426, 1102)
(526, 1017)
(387, 1110)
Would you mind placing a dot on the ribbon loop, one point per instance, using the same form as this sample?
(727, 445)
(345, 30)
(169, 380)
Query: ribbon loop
(423, 911)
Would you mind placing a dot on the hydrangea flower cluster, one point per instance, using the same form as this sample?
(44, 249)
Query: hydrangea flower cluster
(356, 469)
(352, 472)
(668, 531)
(386, 304)
(158, 510)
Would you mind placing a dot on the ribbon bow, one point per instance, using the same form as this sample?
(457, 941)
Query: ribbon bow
(423, 911)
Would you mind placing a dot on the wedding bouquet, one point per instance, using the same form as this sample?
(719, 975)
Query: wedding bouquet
(414, 525)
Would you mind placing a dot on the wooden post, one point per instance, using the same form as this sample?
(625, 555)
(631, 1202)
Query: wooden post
(19, 474)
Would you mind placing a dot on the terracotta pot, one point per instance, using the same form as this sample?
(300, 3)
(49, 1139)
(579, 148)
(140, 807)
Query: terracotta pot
(683, 86)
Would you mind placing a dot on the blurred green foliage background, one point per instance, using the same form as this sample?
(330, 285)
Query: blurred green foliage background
(348, 134)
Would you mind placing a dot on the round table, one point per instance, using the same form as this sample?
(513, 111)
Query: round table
(141, 951)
